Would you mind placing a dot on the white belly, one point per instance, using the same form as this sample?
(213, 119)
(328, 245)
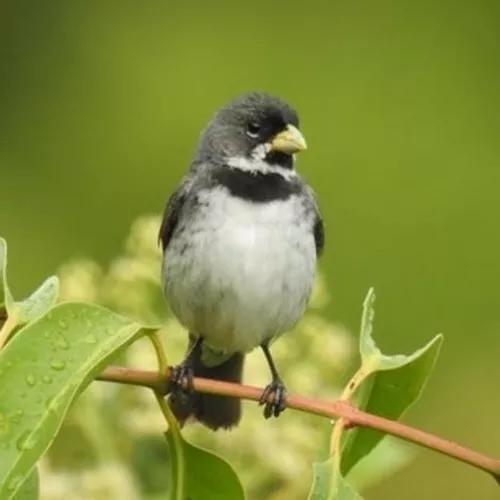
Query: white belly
(242, 272)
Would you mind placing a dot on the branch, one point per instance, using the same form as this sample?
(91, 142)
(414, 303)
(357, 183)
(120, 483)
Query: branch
(352, 416)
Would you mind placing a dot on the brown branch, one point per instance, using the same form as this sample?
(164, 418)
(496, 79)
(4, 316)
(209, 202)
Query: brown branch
(330, 409)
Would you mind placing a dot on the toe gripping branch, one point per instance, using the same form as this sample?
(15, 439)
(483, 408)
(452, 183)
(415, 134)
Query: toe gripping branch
(181, 378)
(274, 396)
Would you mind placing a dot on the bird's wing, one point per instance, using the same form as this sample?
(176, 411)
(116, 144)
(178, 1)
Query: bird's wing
(318, 227)
(172, 212)
(319, 235)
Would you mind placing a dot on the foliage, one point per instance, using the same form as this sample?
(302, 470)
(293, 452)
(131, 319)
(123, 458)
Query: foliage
(203, 475)
(53, 352)
(386, 386)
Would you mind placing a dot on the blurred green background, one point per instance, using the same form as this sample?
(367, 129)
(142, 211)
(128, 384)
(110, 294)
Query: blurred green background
(101, 105)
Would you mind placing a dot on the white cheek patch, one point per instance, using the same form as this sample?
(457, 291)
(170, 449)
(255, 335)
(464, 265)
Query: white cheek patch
(257, 164)
(260, 151)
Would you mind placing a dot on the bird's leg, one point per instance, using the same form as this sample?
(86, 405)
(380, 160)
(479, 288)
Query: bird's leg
(181, 379)
(274, 394)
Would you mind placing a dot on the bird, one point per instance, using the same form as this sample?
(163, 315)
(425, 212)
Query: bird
(240, 236)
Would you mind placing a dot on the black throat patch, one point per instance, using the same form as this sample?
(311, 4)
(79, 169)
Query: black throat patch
(281, 159)
(255, 186)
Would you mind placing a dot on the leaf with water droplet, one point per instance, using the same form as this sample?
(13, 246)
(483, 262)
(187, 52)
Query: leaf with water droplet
(32, 362)
(29, 488)
(15, 483)
(58, 364)
(90, 339)
(60, 342)
(26, 441)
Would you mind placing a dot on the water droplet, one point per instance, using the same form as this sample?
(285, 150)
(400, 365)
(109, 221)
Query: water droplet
(63, 324)
(16, 416)
(26, 441)
(46, 379)
(46, 334)
(30, 380)
(58, 365)
(22, 395)
(90, 339)
(8, 364)
(15, 482)
(61, 342)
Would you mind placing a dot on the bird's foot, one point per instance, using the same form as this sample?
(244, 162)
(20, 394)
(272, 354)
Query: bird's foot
(181, 381)
(274, 398)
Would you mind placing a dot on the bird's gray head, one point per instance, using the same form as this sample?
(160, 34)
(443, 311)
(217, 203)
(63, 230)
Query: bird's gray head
(252, 132)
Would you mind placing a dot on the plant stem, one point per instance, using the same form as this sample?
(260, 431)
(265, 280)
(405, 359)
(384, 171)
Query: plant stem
(159, 351)
(6, 330)
(174, 437)
(330, 409)
(177, 485)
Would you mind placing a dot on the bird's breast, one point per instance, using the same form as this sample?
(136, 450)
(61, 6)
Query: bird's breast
(239, 272)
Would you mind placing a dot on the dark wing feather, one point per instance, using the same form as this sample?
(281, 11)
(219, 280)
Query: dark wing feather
(172, 214)
(319, 234)
(317, 228)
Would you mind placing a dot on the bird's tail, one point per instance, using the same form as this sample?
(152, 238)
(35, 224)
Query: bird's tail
(211, 410)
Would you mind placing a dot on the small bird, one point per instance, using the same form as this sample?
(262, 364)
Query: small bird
(240, 238)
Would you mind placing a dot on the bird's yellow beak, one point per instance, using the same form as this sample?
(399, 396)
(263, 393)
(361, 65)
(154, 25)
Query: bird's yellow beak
(289, 141)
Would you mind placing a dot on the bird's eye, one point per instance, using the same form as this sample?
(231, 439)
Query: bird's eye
(253, 129)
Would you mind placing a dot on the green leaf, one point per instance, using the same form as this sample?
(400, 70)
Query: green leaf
(5, 295)
(388, 457)
(205, 475)
(25, 311)
(372, 358)
(328, 483)
(42, 369)
(30, 488)
(389, 385)
(367, 347)
(39, 302)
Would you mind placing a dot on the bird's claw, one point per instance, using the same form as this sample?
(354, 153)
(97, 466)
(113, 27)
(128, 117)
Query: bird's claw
(274, 399)
(181, 379)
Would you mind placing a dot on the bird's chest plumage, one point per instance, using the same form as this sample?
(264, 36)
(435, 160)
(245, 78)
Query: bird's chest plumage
(240, 272)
